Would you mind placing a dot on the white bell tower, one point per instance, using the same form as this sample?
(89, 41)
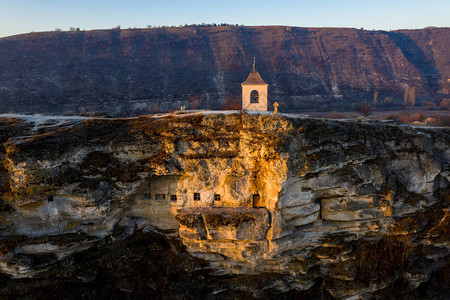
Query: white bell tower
(254, 92)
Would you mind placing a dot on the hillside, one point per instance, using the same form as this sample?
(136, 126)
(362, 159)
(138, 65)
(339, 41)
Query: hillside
(158, 69)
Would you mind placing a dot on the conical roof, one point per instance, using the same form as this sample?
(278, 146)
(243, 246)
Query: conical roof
(254, 79)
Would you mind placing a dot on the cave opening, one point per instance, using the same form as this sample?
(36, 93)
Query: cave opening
(256, 200)
(160, 197)
(196, 196)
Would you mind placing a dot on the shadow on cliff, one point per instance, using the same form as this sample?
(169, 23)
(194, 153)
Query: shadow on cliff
(144, 266)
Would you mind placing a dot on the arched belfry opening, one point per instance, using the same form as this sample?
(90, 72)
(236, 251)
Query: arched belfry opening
(254, 96)
(254, 92)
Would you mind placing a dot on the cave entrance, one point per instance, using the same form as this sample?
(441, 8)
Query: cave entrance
(160, 197)
(256, 201)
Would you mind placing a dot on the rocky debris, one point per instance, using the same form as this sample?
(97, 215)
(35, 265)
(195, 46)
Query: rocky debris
(345, 208)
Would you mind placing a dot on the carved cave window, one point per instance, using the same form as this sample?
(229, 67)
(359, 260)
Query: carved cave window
(50, 199)
(173, 197)
(216, 197)
(160, 197)
(196, 196)
(254, 96)
(256, 200)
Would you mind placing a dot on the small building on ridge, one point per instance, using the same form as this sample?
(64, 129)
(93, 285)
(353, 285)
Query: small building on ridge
(254, 92)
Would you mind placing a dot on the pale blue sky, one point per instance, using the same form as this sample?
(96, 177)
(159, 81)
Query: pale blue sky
(23, 16)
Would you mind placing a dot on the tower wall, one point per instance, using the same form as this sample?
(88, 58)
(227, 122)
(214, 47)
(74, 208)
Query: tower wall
(262, 90)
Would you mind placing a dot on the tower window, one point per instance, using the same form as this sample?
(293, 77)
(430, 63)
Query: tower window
(196, 196)
(254, 96)
(216, 197)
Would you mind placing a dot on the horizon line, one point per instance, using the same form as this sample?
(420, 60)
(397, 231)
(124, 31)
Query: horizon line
(212, 25)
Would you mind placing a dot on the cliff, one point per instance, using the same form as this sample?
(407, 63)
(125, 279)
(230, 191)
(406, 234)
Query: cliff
(163, 205)
(131, 71)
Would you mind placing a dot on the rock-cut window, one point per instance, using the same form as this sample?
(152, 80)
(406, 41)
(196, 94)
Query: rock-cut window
(196, 196)
(160, 197)
(254, 96)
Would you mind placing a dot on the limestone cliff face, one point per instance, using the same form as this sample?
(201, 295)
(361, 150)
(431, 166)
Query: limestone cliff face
(137, 70)
(352, 206)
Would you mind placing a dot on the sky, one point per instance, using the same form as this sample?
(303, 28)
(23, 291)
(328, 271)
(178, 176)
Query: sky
(23, 16)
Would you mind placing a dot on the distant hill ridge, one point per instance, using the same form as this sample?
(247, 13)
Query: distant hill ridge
(159, 69)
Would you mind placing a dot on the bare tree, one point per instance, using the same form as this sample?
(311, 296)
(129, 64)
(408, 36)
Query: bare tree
(153, 108)
(412, 97)
(193, 101)
(232, 103)
(405, 96)
(365, 109)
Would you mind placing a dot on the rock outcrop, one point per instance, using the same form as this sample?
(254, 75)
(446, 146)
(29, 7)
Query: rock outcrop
(346, 208)
(124, 72)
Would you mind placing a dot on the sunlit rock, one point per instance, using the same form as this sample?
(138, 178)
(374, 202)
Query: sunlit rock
(351, 204)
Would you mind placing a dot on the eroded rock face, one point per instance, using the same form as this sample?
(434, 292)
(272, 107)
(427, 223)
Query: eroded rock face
(352, 205)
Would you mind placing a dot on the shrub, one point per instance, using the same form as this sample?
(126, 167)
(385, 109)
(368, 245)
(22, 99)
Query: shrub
(365, 109)
(407, 117)
(445, 104)
(428, 104)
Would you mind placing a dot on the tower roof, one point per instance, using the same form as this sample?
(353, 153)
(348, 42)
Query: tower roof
(254, 79)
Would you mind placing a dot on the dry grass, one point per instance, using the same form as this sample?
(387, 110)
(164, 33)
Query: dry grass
(423, 116)
(431, 118)
(335, 115)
